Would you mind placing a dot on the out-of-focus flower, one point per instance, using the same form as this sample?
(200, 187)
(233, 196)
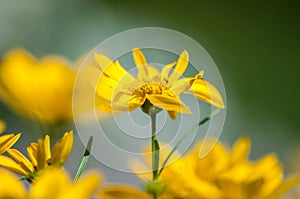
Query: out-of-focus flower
(223, 174)
(118, 91)
(40, 156)
(11, 186)
(7, 141)
(37, 89)
(2, 126)
(50, 184)
(124, 192)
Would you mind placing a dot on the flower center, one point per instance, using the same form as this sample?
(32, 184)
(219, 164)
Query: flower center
(152, 88)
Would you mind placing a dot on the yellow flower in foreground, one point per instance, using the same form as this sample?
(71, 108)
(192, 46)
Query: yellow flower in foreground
(2, 126)
(50, 184)
(6, 141)
(37, 89)
(118, 91)
(40, 155)
(222, 174)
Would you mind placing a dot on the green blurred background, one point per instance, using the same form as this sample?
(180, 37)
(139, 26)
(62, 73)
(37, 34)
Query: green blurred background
(255, 45)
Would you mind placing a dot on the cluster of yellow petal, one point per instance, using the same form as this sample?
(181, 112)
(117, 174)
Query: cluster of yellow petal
(222, 174)
(40, 155)
(118, 91)
(37, 89)
(51, 184)
(226, 174)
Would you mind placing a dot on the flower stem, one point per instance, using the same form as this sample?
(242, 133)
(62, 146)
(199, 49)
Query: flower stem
(155, 148)
(155, 145)
(84, 160)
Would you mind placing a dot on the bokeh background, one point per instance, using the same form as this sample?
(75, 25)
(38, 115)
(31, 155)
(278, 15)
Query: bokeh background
(255, 45)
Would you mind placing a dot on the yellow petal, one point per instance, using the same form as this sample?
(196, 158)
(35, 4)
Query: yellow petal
(84, 188)
(9, 164)
(206, 92)
(180, 67)
(11, 186)
(50, 184)
(32, 153)
(173, 114)
(111, 69)
(241, 150)
(181, 85)
(139, 57)
(146, 73)
(44, 153)
(165, 73)
(62, 149)
(20, 159)
(113, 77)
(283, 188)
(168, 103)
(6, 141)
(122, 192)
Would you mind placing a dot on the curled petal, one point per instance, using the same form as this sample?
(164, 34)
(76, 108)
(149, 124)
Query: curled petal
(206, 92)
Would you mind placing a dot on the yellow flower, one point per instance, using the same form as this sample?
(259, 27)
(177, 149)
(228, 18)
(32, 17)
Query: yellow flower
(222, 174)
(37, 89)
(2, 126)
(40, 156)
(6, 141)
(119, 91)
(122, 192)
(50, 184)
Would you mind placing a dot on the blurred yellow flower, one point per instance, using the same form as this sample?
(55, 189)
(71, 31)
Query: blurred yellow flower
(2, 126)
(40, 155)
(122, 192)
(223, 174)
(37, 89)
(6, 141)
(50, 184)
(119, 91)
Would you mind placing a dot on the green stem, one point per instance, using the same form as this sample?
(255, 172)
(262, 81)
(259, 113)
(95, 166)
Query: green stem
(84, 160)
(153, 111)
(155, 148)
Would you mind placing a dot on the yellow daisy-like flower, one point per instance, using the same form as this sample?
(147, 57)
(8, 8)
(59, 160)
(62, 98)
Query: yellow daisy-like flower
(2, 126)
(50, 184)
(37, 89)
(40, 156)
(7, 141)
(118, 91)
(222, 174)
